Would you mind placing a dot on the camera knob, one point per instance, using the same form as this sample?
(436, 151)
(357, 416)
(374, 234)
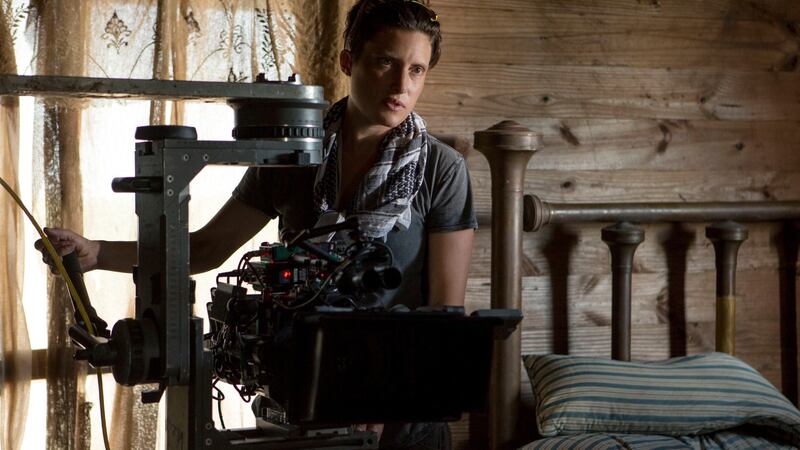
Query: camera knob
(136, 345)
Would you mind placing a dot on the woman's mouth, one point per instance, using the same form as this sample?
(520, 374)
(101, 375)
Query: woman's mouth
(394, 105)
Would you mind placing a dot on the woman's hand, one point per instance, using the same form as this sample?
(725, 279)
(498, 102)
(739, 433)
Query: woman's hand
(65, 242)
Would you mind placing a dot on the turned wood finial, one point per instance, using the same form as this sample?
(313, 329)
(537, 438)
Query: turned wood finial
(507, 135)
(727, 237)
(507, 146)
(622, 240)
(536, 213)
(788, 242)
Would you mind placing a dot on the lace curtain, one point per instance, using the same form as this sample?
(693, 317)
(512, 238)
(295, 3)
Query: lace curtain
(209, 40)
(15, 365)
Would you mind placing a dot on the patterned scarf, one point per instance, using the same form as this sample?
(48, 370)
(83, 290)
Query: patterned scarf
(383, 199)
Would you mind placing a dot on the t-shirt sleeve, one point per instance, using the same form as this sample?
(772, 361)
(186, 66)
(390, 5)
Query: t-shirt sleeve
(451, 203)
(252, 191)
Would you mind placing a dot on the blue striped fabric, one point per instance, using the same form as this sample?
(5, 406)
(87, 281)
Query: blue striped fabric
(581, 441)
(684, 396)
(723, 440)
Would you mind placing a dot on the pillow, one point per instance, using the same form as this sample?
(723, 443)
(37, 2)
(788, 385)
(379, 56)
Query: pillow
(602, 441)
(732, 440)
(676, 397)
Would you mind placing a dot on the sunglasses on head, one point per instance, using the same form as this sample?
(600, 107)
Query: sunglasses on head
(433, 16)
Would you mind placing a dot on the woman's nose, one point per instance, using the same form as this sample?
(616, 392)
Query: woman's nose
(400, 81)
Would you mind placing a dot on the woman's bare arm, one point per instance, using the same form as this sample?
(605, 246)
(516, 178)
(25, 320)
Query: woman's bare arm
(449, 255)
(210, 246)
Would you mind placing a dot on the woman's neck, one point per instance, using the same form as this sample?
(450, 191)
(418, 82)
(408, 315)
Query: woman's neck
(359, 136)
(359, 150)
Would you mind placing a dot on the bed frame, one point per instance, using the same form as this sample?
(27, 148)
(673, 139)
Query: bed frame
(508, 148)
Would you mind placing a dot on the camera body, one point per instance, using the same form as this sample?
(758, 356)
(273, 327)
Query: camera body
(298, 326)
(253, 308)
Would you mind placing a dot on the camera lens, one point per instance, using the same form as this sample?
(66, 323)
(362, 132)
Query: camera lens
(371, 280)
(391, 278)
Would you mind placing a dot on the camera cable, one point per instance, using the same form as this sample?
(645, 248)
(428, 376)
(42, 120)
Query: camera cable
(73, 292)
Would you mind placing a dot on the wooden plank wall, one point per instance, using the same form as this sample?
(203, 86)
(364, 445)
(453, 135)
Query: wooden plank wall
(638, 100)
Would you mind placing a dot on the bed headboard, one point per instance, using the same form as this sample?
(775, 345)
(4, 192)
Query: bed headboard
(508, 148)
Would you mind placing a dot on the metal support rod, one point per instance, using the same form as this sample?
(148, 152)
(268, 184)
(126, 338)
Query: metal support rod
(143, 89)
(508, 147)
(727, 237)
(538, 213)
(622, 239)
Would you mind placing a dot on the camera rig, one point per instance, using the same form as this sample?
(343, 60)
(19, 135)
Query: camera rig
(337, 362)
(252, 333)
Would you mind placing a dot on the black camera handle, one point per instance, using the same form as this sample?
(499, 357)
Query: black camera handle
(73, 268)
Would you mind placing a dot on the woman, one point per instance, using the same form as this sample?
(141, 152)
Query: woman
(380, 164)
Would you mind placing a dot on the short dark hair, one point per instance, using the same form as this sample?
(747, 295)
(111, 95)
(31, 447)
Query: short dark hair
(369, 17)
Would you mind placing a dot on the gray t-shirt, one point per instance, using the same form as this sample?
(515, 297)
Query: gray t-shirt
(442, 204)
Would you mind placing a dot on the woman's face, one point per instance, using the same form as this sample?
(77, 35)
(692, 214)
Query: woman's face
(387, 77)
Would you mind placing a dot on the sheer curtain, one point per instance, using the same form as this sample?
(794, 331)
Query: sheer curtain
(15, 365)
(79, 145)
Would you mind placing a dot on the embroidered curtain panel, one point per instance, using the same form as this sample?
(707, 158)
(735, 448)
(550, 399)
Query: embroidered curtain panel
(15, 364)
(208, 40)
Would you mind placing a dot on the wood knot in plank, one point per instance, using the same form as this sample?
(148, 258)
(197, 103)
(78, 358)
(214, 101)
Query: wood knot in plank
(654, 3)
(591, 283)
(598, 319)
(765, 191)
(567, 135)
(666, 138)
(529, 269)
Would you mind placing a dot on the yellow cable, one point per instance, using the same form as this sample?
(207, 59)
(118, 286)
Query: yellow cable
(102, 409)
(78, 301)
(54, 256)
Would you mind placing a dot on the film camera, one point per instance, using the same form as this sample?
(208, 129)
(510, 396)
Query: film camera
(295, 325)
(251, 333)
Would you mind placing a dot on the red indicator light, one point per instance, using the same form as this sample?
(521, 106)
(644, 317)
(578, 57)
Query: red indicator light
(286, 274)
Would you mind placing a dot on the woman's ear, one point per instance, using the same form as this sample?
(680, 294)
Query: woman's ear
(346, 61)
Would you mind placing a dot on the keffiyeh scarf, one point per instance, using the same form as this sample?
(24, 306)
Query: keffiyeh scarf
(383, 199)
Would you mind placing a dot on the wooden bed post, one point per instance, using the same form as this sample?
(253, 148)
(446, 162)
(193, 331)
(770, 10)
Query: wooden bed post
(726, 237)
(507, 146)
(788, 243)
(622, 240)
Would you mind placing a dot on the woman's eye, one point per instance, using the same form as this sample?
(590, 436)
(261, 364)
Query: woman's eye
(417, 70)
(385, 61)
